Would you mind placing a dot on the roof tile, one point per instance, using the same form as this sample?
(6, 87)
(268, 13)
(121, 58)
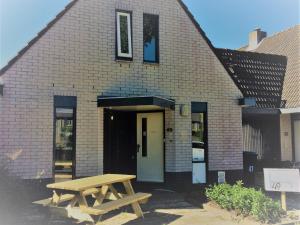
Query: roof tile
(257, 75)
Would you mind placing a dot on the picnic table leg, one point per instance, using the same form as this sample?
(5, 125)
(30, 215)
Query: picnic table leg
(78, 215)
(135, 206)
(82, 201)
(114, 191)
(100, 196)
(73, 202)
(55, 198)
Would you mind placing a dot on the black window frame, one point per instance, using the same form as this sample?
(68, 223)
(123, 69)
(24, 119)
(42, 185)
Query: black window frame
(118, 57)
(65, 102)
(157, 49)
(202, 107)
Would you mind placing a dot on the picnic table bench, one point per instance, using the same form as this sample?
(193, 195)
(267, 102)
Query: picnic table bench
(100, 188)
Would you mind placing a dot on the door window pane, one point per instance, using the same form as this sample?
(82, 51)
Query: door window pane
(151, 31)
(144, 137)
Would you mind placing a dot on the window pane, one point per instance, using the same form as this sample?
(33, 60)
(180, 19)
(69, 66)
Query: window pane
(124, 34)
(66, 113)
(151, 38)
(64, 143)
(124, 46)
(149, 50)
(64, 134)
(198, 129)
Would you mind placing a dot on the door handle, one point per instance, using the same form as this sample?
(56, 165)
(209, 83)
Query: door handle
(138, 148)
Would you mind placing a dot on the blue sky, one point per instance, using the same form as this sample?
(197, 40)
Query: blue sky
(226, 22)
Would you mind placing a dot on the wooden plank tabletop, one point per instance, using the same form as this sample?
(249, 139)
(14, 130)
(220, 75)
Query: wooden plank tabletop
(90, 182)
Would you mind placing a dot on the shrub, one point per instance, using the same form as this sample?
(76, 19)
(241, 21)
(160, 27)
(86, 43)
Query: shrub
(266, 210)
(221, 194)
(245, 201)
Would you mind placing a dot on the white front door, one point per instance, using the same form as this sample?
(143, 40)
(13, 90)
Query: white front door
(150, 141)
(297, 140)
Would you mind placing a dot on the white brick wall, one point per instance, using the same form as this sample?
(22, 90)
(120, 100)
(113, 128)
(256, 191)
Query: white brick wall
(77, 56)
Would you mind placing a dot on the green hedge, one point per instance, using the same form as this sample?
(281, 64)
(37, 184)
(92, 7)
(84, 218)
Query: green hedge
(246, 201)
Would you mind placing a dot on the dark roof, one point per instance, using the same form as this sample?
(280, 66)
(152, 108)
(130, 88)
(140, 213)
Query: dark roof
(69, 6)
(36, 38)
(257, 75)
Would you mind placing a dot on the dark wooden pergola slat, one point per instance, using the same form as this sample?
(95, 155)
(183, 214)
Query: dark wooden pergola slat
(257, 75)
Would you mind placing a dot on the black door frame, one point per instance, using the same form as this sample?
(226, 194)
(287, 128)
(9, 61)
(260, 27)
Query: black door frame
(164, 137)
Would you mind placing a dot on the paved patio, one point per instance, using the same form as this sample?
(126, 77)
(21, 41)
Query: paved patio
(165, 207)
(172, 208)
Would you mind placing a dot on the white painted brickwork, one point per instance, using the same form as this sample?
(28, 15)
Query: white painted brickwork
(79, 51)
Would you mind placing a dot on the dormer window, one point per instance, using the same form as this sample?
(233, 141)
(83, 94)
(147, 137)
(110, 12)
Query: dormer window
(124, 35)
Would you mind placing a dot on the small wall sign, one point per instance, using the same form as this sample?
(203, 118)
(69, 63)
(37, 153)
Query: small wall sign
(282, 180)
(221, 177)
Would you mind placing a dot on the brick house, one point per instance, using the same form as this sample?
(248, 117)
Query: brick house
(260, 77)
(287, 130)
(125, 86)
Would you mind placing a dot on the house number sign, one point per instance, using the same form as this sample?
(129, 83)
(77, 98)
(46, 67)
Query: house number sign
(282, 180)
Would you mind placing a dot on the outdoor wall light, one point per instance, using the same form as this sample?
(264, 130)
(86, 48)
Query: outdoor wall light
(184, 110)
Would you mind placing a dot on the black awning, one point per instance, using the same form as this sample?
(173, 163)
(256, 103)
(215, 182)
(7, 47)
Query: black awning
(260, 111)
(108, 102)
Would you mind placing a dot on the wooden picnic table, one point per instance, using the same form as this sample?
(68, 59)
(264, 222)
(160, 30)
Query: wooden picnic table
(91, 182)
(100, 188)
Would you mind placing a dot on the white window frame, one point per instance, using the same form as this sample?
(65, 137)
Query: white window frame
(119, 49)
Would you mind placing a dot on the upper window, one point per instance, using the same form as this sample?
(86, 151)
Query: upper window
(124, 37)
(151, 41)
